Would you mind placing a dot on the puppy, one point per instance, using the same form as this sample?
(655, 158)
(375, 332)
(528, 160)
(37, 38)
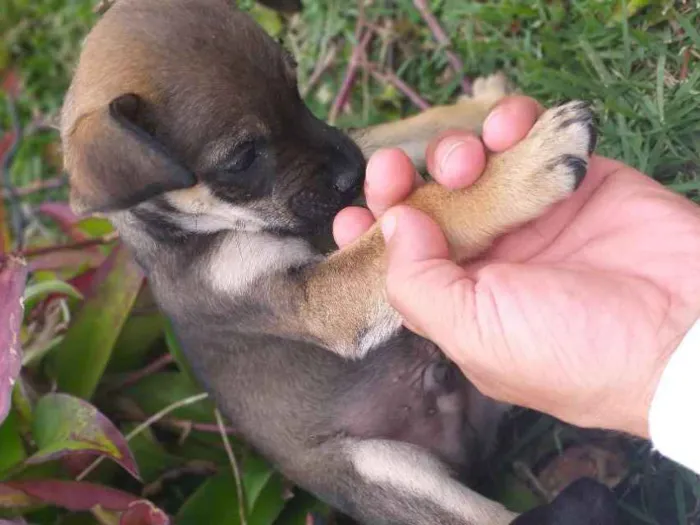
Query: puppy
(183, 124)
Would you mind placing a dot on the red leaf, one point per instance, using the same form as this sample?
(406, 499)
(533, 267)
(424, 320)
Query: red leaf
(11, 498)
(13, 275)
(144, 513)
(11, 83)
(6, 142)
(66, 260)
(80, 496)
(62, 214)
(83, 282)
(76, 462)
(71, 495)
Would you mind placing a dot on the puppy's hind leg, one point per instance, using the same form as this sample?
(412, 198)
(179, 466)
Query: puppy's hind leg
(413, 134)
(382, 482)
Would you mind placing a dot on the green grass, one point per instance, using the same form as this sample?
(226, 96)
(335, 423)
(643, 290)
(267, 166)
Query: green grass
(640, 67)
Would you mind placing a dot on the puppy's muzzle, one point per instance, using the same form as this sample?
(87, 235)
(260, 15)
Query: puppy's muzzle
(335, 183)
(343, 186)
(349, 181)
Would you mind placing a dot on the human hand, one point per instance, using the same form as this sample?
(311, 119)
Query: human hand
(574, 314)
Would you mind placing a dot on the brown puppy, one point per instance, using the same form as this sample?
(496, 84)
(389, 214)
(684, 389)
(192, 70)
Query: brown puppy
(184, 125)
(110, 92)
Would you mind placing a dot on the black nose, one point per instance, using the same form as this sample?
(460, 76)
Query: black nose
(348, 180)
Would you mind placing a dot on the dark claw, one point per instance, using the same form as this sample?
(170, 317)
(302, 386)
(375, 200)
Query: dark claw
(578, 166)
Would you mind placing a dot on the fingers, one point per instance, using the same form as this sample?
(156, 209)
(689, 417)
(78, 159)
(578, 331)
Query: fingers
(423, 284)
(391, 177)
(350, 223)
(456, 159)
(510, 121)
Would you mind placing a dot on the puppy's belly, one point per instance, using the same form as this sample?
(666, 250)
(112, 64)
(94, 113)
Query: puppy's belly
(287, 398)
(409, 392)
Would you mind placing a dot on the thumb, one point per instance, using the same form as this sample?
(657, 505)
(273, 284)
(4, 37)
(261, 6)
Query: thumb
(432, 293)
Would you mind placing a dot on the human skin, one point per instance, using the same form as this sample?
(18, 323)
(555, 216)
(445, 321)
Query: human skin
(575, 314)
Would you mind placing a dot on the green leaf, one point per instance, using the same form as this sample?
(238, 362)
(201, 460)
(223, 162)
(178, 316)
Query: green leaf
(140, 333)
(264, 488)
(215, 501)
(95, 226)
(155, 392)
(301, 505)
(177, 352)
(81, 358)
(40, 290)
(150, 455)
(4, 57)
(628, 8)
(515, 495)
(269, 19)
(64, 424)
(690, 30)
(5, 234)
(12, 450)
(135, 342)
(204, 448)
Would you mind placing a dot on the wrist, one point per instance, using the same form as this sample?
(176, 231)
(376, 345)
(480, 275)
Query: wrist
(629, 407)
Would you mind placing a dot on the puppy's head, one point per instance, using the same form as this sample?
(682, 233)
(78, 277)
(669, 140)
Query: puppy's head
(190, 106)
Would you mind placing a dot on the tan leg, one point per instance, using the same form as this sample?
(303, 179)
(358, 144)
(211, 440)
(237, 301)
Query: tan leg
(414, 133)
(517, 186)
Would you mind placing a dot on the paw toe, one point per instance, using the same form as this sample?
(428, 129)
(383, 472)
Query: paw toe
(492, 86)
(577, 166)
(567, 136)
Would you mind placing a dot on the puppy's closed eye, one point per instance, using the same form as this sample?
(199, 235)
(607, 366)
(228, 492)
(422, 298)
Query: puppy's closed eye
(242, 158)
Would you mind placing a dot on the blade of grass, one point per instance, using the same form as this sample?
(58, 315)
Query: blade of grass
(660, 77)
(691, 31)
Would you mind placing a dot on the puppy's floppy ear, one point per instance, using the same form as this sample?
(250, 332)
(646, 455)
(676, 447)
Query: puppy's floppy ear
(115, 163)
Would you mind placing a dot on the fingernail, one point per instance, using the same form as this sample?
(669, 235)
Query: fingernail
(388, 226)
(445, 150)
(492, 117)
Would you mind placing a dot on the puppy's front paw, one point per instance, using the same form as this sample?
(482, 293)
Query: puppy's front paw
(518, 185)
(561, 141)
(542, 169)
